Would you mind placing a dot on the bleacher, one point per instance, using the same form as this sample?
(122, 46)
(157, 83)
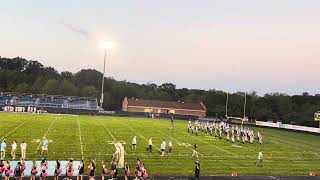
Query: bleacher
(48, 101)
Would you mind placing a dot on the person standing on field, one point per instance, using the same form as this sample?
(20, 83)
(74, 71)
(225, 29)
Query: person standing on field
(23, 147)
(134, 142)
(170, 147)
(195, 152)
(45, 144)
(260, 158)
(172, 124)
(150, 145)
(3, 149)
(13, 149)
(197, 170)
(163, 147)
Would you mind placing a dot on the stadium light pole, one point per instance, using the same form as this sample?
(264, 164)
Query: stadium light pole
(105, 45)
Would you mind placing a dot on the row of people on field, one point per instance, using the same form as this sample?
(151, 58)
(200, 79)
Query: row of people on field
(231, 132)
(19, 171)
(14, 147)
(163, 145)
(23, 148)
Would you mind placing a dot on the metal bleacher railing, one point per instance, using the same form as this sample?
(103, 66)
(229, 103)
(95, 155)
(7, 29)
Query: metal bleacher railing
(47, 101)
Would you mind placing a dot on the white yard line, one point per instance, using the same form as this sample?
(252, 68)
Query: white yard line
(80, 137)
(13, 130)
(176, 140)
(45, 134)
(142, 137)
(114, 139)
(223, 150)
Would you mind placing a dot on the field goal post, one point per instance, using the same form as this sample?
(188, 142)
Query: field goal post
(244, 118)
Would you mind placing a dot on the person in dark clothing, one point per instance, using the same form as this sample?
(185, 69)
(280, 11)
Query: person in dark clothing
(197, 170)
(81, 170)
(17, 172)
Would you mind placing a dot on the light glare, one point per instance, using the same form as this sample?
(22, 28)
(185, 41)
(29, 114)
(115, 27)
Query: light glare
(105, 44)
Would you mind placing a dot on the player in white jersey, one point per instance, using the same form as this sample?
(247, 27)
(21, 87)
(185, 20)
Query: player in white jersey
(195, 152)
(210, 129)
(134, 142)
(220, 133)
(196, 129)
(170, 147)
(163, 147)
(189, 125)
(215, 130)
(14, 149)
(243, 138)
(232, 137)
(45, 144)
(251, 137)
(3, 149)
(23, 147)
(260, 158)
(260, 140)
(228, 138)
(259, 137)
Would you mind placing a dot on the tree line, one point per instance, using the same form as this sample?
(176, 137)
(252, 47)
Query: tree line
(27, 76)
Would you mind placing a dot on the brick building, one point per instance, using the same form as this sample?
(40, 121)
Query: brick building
(165, 107)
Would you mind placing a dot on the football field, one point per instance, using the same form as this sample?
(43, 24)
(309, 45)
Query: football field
(71, 136)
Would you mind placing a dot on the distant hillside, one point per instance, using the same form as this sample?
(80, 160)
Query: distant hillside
(21, 75)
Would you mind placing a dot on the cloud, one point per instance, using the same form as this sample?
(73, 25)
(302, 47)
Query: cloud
(80, 31)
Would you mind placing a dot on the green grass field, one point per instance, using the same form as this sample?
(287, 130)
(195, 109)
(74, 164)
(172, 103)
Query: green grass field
(92, 136)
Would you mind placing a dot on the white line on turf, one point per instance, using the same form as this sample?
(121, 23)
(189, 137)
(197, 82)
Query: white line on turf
(142, 137)
(13, 130)
(80, 137)
(195, 137)
(105, 127)
(229, 152)
(176, 140)
(45, 134)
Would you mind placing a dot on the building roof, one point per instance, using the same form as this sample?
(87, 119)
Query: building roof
(166, 104)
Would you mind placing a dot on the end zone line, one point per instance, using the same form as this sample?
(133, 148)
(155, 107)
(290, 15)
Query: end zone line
(80, 138)
(45, 134)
